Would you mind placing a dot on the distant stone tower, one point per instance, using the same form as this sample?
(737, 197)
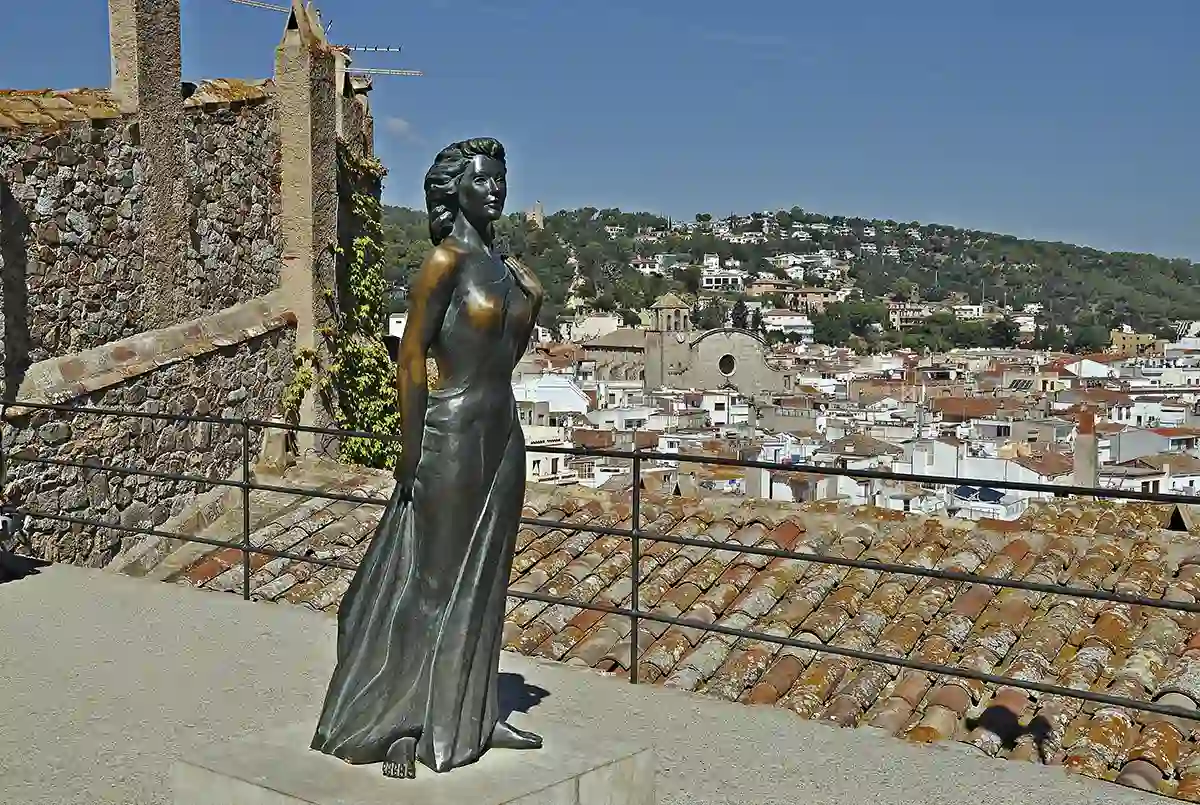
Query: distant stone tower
(537, 216)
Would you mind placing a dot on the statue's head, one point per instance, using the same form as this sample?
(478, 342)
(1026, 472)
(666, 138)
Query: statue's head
(468, 177)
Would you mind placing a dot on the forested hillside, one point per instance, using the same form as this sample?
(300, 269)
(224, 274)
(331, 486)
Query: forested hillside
(1080, 287)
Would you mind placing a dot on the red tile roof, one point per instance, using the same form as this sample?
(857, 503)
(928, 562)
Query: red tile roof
(965, 408)
(1137, 652)
(1176, 433)
(1049, 464)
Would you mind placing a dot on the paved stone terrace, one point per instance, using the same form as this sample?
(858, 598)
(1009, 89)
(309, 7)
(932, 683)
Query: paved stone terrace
(1149, 654)
(107, 678)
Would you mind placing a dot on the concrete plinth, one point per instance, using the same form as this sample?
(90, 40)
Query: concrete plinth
(278, 768)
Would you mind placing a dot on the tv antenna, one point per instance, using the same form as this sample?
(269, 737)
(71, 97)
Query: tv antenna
(260, 4)
(274, 7)
(385, 71)
(344, 48)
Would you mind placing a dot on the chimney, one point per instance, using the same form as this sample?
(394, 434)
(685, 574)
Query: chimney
(1087, 460)
(144, 41)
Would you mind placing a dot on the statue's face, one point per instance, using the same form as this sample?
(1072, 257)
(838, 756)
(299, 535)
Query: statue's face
(483, 189)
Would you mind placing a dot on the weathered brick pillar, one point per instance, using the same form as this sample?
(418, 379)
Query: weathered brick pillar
(306, 92)
(146, 77)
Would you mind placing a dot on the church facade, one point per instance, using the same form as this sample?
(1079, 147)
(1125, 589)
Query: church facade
(676, 356)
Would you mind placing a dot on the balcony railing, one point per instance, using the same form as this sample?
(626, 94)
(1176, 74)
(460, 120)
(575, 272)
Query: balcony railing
(637, 537)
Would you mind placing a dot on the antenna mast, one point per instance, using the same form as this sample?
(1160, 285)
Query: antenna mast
(260, 4)
(343, 48)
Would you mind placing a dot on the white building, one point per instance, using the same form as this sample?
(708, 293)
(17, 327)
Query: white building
(633, 417)
(396, 323)
(722, 279)
(725, 409)
(590, 327)
(789, 322)
(558, 391)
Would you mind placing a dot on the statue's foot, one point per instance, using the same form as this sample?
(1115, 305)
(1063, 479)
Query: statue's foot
(401, 760)
(506, 736)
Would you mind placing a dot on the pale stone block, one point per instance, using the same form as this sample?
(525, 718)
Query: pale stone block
(278, 768)
(629, 781)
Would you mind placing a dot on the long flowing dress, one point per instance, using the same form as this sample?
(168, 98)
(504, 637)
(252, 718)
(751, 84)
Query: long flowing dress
(419, 629)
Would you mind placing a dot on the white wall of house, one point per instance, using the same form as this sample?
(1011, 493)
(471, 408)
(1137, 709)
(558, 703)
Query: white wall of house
(396, 322)
(616, 393)
(1089, 369)
(561, 392)
(632, 417)
(546, 468)
(593, 326)
(725, 409)
(940, 458)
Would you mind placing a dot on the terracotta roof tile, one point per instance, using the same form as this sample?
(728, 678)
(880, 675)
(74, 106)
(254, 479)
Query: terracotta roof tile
(55, 108)
(1142, 653)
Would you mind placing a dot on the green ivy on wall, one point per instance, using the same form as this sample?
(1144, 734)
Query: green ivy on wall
(359, 382)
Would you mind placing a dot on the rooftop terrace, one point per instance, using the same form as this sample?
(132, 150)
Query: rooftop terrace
(107, 678)
(1069, 637)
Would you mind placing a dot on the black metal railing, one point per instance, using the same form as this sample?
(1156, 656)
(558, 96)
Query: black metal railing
(635, 534)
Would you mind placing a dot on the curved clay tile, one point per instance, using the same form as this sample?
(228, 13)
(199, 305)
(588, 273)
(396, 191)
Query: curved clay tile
(1159, 745)
(1189, 775)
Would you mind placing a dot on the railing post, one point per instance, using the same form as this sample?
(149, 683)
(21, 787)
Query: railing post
(634, 569)
(245, 509)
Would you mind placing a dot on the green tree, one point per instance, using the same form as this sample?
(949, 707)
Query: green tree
(739, 315)
(710, 316)
(1077, 285)
(840, 321)
(1091, 338)
(1004, 333)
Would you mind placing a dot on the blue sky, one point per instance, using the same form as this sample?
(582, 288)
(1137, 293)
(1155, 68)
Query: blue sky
(1074, 120)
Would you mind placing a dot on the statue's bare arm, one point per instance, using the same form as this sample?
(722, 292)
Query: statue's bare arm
(429, 297)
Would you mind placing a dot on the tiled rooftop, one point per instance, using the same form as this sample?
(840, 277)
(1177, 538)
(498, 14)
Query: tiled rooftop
(49, 108)
(1142, 653)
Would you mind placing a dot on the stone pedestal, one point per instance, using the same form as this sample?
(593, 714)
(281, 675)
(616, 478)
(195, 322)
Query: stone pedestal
(277, 768)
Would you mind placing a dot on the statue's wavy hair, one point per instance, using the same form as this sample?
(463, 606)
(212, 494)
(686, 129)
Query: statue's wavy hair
(441, 181)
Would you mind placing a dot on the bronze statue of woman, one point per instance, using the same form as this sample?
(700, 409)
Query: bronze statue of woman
(418, 647)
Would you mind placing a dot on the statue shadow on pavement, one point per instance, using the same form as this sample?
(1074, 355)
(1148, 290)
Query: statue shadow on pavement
(518, 696)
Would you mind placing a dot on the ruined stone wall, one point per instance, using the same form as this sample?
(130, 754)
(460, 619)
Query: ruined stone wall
(229, 365)
(235, 243)
(70, 255)
(164, 247)
(72, 217)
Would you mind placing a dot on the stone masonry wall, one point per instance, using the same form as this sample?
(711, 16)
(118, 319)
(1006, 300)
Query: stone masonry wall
(235, 246)
(71, 193)
(70, 257)
(231, 365)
